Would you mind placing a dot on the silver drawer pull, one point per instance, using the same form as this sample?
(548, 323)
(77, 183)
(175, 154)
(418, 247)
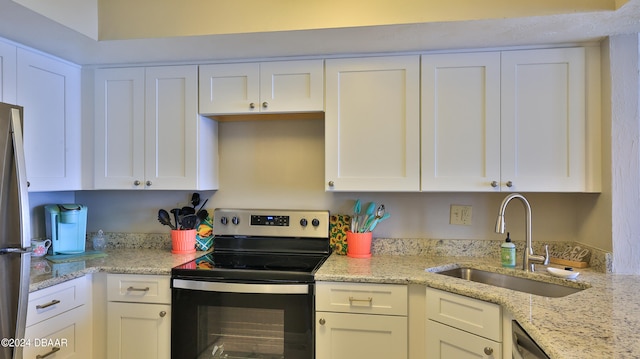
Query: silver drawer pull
(134, 289)
(368, 300)
(52, 351)
(42, 306)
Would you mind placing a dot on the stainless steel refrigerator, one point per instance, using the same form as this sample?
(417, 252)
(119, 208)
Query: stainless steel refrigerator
(15, 239)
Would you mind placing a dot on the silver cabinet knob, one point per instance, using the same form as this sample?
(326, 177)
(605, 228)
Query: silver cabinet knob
(494, 184)
(509, 184)
(148, 183)
(488, 350)
(265, 104)
(331, 183)
(136, 183)
(163, 314)
(252, 105)
(322, 321)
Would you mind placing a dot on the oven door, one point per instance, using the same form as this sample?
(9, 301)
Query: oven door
(241, 320)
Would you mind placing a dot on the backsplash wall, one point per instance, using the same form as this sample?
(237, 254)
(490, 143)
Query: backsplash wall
(280, 164)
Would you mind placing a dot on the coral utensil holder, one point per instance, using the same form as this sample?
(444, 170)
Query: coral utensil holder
(359, 244)
(183, 241)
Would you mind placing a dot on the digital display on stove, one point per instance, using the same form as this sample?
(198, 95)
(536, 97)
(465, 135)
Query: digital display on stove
(281, 221)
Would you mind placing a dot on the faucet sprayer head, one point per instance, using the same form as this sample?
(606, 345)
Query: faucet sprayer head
(500, 224)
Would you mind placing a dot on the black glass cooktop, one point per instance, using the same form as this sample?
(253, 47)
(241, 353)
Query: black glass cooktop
(251, 267)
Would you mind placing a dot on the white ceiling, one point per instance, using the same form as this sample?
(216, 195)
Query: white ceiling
(19, 24)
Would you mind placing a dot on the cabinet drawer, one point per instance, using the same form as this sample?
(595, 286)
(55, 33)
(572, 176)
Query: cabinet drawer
(446, 342)
(390, 299)
(471, 315)
(66, 336)
(138, 288)
(49, 302)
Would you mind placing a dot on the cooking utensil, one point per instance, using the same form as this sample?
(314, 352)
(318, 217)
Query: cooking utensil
(369, 214)
(203, 204)
(190, 221)
(356, 215)
(185, 211)
(195, 199)
(379, 213)
(203, 213)
(165, 219)
(176, 216)
(375, 223)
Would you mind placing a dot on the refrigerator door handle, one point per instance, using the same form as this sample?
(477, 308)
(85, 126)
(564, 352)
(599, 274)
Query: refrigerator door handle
(13, 250)
(21, 172)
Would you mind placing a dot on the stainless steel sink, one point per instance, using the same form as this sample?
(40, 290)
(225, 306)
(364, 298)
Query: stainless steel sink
(510, 282)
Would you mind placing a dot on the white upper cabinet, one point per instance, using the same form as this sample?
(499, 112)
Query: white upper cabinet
(119, 128)
(504, 121)
(49, 91)
(267, 87)
(148, 133)
(7, 73)
(460, 121)
(543, 120)
(372, 124)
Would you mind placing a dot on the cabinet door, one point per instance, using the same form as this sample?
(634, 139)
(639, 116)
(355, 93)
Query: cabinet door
(49, 91)
(543, 120)
(372, 124)
(171, 119)
(138, 331)
(461, 122)
(119, 129)
(445, 342)
(348, 336)
(292, 86)
(7, 73)
(229, 88)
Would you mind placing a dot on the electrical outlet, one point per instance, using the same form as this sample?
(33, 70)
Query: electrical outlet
(460, 214)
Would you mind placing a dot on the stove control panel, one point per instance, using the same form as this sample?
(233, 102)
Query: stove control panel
(262, 220)
(265, 222)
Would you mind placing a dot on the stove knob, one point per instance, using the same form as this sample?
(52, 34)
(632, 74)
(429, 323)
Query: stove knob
(303, 222)
(315, 222)
(235, 220)
(224, 220)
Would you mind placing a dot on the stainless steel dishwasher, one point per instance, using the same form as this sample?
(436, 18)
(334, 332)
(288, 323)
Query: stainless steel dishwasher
(523, 346)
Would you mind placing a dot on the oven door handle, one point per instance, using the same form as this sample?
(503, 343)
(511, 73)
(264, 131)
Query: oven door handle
(253, 288)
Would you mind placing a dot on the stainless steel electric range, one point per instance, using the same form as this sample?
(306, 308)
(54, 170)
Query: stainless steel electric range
(253, 296)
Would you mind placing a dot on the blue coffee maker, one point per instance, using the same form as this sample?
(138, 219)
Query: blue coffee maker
(66, 226)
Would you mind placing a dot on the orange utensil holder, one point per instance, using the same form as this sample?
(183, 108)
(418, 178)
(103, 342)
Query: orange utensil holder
(359, 244)
(183, 241)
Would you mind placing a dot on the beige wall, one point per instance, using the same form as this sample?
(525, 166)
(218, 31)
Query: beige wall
(121, 19)
(280, 164)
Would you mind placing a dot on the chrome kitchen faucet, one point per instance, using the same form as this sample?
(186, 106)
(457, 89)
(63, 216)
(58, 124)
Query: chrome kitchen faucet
(529, 258)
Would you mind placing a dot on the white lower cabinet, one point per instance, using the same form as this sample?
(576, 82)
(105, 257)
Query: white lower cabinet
(461, 327)
(59, 322)
(138, 317)
(358, 320)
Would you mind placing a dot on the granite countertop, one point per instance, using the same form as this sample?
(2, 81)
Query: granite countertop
(599, 322)
(123, 260)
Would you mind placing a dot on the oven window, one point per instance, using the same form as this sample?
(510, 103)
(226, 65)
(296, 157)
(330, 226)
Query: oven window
(241, 325)
(243, 332)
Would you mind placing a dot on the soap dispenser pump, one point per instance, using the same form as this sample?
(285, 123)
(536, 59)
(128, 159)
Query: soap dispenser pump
(508, 253)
